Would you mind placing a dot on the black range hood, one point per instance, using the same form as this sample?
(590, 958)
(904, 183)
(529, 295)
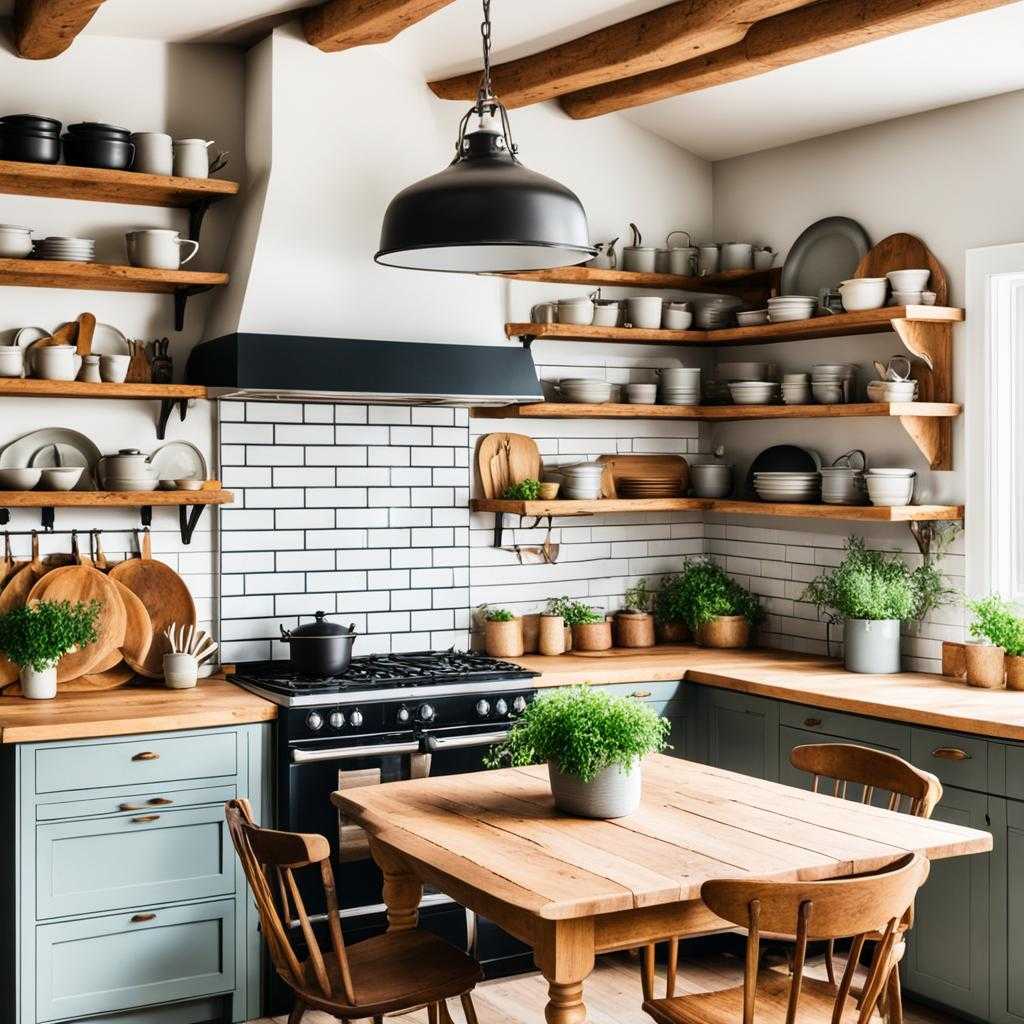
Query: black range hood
(265, 367)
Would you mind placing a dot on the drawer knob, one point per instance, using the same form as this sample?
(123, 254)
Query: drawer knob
(812, 723)
(159, 801)
(129, 807)
(641, 694)
(951, 754)
(139, 918)
(146, 755)
(143, 819)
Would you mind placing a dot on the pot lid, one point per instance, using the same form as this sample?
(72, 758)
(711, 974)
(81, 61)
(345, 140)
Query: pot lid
(321, 628)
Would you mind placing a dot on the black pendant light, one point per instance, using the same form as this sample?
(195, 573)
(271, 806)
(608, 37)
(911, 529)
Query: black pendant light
(485, 212)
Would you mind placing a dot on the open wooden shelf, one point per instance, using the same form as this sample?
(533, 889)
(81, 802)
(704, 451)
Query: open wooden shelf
(62, 181)
(105, 277)
(31, 388)
(728, 281)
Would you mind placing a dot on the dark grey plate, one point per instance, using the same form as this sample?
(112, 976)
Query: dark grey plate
(826, 253)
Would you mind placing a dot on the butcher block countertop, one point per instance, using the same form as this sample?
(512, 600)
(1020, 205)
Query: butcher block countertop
(915, 697)
(132, 709)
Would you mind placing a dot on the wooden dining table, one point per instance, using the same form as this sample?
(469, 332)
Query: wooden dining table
(574, 887)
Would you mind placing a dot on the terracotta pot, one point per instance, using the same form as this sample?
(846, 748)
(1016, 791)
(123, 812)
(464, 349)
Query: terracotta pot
(531, 629)
(725, 631)
(634, 629)
(986, 666)
(568, 638)
(551, 637)
(504, 639)
(1015, 671)
(673, 632)
(592, 636)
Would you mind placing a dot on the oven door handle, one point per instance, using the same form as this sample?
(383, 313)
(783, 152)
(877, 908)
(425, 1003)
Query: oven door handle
(350, 753)
(435, 744)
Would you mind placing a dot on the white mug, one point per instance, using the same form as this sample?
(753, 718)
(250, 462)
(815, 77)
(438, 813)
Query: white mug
(192, 158)
(56, 362)
(158, 248)
(153, 153)
(114, 368)
(12, 361)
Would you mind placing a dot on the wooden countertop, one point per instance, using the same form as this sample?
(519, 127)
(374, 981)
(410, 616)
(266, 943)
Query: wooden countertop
(132, 709)
(915, 697)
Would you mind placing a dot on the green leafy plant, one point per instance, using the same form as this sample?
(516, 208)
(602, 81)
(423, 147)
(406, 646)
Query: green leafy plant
(581, 731)
(638, 598)
(875, 585)
(525, 490)
(701, 592)
(999, 622)
(500, 615)
(574, 613)
(39, 634)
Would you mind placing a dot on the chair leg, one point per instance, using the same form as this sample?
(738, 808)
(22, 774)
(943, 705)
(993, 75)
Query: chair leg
(378, 1020)
(468, 1008)
(298, 1010)
(432, 1014)
(446, 1017)
(830, 969)
(894, 998)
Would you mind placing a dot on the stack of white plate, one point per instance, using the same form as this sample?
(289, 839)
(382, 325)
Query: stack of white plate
(796, 388)
(585, 390)
(754, 392)
(833, 383)
(679, 385)
(784, 308)
(663, 486)
(784, 488)
(890, 486)
(70, 250)
(641, 394)
(581, 482)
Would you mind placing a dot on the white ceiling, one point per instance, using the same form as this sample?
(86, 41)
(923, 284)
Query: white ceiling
(960, 60)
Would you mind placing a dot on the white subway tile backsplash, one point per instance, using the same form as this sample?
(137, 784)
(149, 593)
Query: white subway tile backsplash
(390, 414)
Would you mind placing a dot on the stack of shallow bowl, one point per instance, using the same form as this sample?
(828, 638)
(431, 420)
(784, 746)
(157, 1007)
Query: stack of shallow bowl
(784, 308)
(581, 482)
(641, 394)
(788, 488)
(890, 486)
(652, 486)
(717, 313)
(892, 391)
(679, 385)
(585, 391)
(754, 392)
(67, 250)
(751, 317)
(832, 383)
(907, 286)
(842, 485)
(796, 388)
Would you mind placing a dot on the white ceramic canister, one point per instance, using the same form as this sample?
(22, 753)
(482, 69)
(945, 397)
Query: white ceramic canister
(192, 158)
(158, 248)
(12, 361)
(708, 258)
(154, 153)
(181, 671)
(90, 371)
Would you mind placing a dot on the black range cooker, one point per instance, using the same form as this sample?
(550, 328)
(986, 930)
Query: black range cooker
(388, 718)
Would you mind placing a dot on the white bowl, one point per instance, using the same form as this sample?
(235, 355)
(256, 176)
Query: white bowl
(795, 378)
(906, 298)
(827, 394)
(894, 473)
(579, 312)
(751, 317)
(863, 293)
(19, 479)
(60, 478)
(785, 316)
(928, 298)
(642, 394)
(679, 374)
(909, 280)
(890, 496)
(644, 311)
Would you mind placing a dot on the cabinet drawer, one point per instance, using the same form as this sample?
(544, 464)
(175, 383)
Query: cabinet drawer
(138, 803)
(120, 962)
(146, 759)
(956, 759)
(837, 725)
(96, 864)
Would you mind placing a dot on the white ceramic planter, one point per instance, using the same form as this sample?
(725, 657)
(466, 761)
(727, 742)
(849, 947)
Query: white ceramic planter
(872, 646)
(39, 685)
(612, 793)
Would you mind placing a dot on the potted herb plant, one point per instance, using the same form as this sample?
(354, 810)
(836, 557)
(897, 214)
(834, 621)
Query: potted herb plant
(634, 625)
(873, 592)
(670, 619)
(592, 743)
(719, 611)
(590, 629)
(503, 633)
(999, 623)
(36, 636)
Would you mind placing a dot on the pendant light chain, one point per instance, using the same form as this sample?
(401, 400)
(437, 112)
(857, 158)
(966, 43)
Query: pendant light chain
(486, 92)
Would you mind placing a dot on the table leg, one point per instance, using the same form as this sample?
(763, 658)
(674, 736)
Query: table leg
(402, 889)
(564, 953)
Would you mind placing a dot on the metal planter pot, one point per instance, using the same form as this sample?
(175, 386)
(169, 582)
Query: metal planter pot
(612, 793)
(872, 646)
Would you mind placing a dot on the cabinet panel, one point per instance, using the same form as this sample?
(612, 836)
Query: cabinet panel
(1008, 911)
(948, 954)
(957, 760)
(1014, 778)
(742, 732)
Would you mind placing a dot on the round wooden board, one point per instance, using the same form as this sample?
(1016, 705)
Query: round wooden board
(905, 252)
(138, 633)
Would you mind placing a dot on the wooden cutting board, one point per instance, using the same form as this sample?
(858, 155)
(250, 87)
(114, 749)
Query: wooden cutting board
(905, 252)
(643, 466)
(138, 633)
(504, 459)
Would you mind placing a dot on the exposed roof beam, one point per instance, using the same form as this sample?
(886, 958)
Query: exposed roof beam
(46, 28)
(659, 38)
(821, 28)
(341, 24)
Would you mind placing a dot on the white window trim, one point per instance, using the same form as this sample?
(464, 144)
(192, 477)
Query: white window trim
(994, 448)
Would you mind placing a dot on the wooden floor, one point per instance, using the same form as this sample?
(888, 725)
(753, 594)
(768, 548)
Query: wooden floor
(612, 994)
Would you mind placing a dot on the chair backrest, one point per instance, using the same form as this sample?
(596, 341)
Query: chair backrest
(270, 860)
(910, 789)
(854, 907)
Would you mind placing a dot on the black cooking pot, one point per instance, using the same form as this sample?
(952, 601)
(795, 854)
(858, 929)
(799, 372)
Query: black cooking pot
(320, 648)
(97, 151)
(32, 123)
(105, 131)
(28, 146)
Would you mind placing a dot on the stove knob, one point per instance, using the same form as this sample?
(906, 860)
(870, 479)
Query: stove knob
(403, 715)
(426, 713)
(483, 708)
(356, 719)
(315, 721)
(519, 705)
(501, 707)
(337, 720)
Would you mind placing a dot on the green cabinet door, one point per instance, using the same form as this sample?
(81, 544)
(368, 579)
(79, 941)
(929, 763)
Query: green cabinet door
(742, 732)
(1007, 911)
(948, 953)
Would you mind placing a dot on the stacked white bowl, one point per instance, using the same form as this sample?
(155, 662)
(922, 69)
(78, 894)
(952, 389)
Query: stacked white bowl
(784, 308)
(863, 293)
(582, 481)
(796, 388)
(842, 485)
(832, 383)
(679, 385)
(641, 394)
(585, 390)
(798, 488)
(754, 392)
(751, 317)
(907, 286)
(890, 486)
(892, 391)
(711, 479)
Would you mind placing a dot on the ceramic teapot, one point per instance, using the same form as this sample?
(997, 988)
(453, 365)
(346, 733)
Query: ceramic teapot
(128, 470)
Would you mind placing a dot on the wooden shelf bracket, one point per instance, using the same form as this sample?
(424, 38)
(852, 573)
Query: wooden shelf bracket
(932, 344)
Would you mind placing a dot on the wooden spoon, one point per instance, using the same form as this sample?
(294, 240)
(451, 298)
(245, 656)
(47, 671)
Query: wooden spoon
(86, 328)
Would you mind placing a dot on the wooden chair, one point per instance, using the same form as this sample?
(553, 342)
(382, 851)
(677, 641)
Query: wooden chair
(389, 973)
(858, 908)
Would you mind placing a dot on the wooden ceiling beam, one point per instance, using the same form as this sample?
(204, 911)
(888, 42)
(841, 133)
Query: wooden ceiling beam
(46, 28)
(813, 31)
(662, 37)
(341, 24)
